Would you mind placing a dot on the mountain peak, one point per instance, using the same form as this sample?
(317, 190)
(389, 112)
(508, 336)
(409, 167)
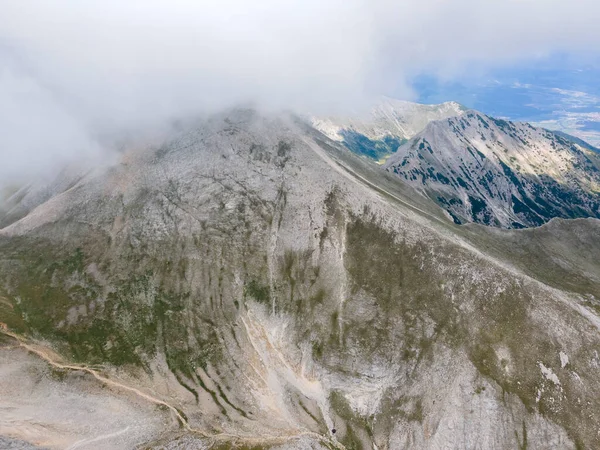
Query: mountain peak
(265, 286)
(501, 173)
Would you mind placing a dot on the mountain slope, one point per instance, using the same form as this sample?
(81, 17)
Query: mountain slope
(268, 286)
(576, 140)
(18, 200)
(500, 173)
(389, 124)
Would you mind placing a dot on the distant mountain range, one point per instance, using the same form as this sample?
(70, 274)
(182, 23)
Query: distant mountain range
(478, 168)
(378, 133)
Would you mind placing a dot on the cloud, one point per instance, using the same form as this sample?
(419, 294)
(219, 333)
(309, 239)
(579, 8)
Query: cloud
(73, 71)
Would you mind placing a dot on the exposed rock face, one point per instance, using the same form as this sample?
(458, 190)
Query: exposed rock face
(18, 200)
(389, 124)
(270, 286)
(500, 173)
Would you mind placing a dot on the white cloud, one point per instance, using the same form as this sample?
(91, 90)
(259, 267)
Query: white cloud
(70, 70)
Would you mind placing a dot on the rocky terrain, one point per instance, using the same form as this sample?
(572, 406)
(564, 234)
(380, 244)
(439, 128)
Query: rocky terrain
(389, 123)
(499, 173)
(249, 283)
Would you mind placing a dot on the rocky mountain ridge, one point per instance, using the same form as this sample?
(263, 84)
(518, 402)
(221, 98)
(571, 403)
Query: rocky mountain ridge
(500, 173)
(378, 133)
(255, 284)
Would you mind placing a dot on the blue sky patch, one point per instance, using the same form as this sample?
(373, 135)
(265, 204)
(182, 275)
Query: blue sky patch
(559, 92)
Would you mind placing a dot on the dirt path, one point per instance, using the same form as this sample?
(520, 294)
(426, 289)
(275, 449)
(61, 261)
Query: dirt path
(217, 437)
(102, 437)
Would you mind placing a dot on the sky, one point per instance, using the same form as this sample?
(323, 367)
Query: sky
(74, 74)
(559, 92)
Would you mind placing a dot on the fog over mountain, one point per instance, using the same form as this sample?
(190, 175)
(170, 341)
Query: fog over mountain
(226, 226)
(74, 74)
